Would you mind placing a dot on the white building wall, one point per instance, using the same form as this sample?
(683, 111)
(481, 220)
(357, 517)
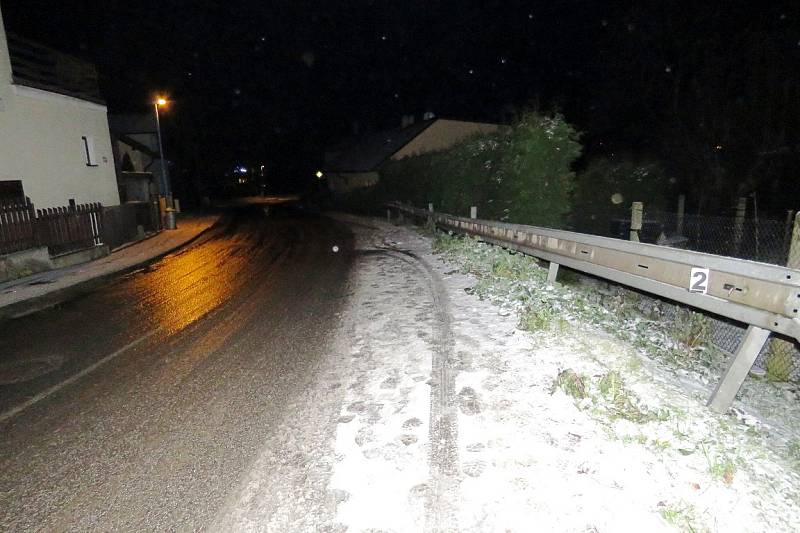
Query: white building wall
(41, 143)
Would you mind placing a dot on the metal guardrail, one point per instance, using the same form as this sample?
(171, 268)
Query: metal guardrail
(766, 297)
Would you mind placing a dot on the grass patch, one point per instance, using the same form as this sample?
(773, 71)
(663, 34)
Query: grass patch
(721, 468)
(572, 383)
(682, 515)
(691, 329)
(542, 317)
(793, 452)
(621, 402)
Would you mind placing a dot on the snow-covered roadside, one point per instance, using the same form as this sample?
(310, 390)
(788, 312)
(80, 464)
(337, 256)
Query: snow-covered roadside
(565, 429)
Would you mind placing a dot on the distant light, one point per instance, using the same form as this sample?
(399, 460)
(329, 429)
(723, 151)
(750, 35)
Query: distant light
(718, 147)
(319, 174)
(240, 170)
(262, 168)
(161, 101)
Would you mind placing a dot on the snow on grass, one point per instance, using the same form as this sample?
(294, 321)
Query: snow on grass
(642, 410)
(580, 408)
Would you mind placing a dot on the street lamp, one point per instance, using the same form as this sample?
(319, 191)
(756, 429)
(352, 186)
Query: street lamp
(161, 102)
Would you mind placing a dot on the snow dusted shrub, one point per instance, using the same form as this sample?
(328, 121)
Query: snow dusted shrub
(606, 187)
(534, 173)
(521, 174)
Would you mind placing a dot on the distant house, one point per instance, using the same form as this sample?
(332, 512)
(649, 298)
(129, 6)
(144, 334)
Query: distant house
(134, 141)
(54, 139)
(356, 163)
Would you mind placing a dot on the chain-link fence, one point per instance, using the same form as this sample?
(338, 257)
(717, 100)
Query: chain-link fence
(758, 239)
(764, 240)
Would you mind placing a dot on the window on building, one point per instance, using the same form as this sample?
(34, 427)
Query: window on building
(88, 148)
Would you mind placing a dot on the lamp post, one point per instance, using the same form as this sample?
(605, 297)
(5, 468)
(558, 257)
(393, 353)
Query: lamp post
(161, 101)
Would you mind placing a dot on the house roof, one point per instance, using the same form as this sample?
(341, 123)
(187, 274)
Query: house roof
(368, 152)
(41, 67)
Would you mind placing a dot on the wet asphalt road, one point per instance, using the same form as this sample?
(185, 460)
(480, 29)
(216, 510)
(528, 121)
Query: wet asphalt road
(196, 356)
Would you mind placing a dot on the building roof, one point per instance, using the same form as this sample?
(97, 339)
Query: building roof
(41, 67)
(368, 152)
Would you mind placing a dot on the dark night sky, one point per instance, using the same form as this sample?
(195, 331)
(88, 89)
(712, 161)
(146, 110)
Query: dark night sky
(257, 80)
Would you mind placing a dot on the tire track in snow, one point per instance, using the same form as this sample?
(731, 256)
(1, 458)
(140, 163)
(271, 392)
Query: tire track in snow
(442, 499)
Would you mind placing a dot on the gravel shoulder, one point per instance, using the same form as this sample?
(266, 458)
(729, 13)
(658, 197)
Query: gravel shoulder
(567, 428)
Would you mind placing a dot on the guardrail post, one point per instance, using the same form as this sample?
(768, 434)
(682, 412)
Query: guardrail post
(793, 260)
(738, 368)
(681, 210)
(388, 215)
(738, 223)
(473, 212)
(430, 216)
(637, 208)
(552, 273)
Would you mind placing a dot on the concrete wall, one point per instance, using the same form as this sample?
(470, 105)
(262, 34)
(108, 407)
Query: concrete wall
(41, 144)
(24, 263)
(443, 134)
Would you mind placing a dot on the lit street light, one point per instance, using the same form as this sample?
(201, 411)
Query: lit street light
(161, 102)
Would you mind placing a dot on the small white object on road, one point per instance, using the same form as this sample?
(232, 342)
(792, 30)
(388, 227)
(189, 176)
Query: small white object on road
(335, 249)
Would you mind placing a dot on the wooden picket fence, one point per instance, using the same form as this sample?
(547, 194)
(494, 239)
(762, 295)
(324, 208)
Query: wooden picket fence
(61, 229)
(17, 227)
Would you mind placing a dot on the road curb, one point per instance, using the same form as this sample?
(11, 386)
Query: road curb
(71, 292)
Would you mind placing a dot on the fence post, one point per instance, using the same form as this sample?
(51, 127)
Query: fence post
(473, 212)
(780, 356)
(787, 232)
(681, 211)
(637, 208)
(738, 223)
(388, 215)
(34, 226)
(793, 260)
